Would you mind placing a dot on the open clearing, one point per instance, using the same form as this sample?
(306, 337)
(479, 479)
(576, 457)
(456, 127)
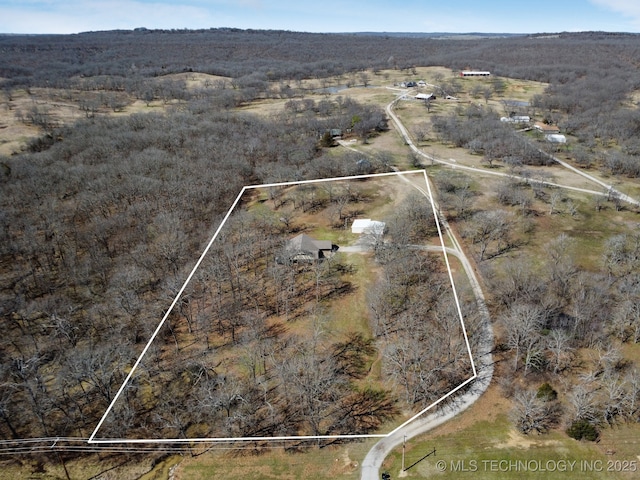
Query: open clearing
(197, 328)
(481, 433)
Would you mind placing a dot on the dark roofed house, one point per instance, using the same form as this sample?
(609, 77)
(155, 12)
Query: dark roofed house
(303, 248)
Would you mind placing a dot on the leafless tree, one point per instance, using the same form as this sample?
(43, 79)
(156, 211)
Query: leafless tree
(561, 265)
(631, 403)
(488, 228)
(613, 393)
(531, 413)
(559, 347)
(421, 131)
(582, 400)
(523, 323)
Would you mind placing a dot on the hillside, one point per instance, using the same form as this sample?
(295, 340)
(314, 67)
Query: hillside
(123, 150)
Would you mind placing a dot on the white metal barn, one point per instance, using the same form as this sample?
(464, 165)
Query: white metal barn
(516, 119)
(555, 138)
(366, 225)
(474, 73)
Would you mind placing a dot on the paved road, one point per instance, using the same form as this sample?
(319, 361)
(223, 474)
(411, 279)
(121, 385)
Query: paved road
(473, 388)
(607, 190)
(484, 361)
(483, 368)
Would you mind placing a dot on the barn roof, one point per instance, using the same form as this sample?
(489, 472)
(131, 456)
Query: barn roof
(366, 225)
(307, 244)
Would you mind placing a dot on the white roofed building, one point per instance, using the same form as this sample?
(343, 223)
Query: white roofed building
(556, 138)
(516, 119)
(474, 73)
(368, 226)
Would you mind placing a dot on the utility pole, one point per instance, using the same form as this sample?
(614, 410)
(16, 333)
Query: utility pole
(64, 467)
(404, 444)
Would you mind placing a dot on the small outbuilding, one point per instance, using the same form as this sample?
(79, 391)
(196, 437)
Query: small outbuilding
(516, 119)
(556, 138)
(425, 96)
(475, 73)
(367, 226)
(546, 128)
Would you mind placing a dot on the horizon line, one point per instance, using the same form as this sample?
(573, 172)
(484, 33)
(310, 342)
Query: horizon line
(142, 29)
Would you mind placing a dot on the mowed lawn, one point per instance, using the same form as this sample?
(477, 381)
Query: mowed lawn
(326, 463)
(492, 449)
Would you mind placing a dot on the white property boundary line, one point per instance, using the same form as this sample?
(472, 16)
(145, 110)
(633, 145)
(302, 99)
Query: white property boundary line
(464, 328)
(93, 440)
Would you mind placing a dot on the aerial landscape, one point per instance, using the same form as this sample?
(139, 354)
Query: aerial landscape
(258, 241)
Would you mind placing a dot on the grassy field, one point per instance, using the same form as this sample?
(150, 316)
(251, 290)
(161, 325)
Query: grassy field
(490, 450)
(481, 444)
(313, 464)
(473, 445)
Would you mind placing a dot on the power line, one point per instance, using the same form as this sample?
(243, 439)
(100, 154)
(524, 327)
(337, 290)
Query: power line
(25, 446)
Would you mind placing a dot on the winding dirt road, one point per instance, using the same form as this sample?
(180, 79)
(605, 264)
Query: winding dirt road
(483, 360)
(476, 385)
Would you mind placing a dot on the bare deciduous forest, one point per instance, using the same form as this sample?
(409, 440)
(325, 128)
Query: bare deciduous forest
(102, 219)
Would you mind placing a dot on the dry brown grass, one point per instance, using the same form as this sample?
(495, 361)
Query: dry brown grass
(588, 229)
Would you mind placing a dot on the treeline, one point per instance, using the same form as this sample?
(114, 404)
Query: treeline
(100, 222)
(413, 311)
(592, 75)
(550, 313)
(54, 60)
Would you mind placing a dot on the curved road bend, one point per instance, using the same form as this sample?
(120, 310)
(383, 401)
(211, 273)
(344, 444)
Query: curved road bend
(373, 461)
(484, 366)
(483, 358)
(608, 189)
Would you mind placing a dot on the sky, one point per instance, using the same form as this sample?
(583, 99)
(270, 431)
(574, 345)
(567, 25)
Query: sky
(457, 16)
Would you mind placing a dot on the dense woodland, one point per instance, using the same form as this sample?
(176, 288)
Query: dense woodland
(99, 230)
(563, 325)
(101, 220)
(591, 75)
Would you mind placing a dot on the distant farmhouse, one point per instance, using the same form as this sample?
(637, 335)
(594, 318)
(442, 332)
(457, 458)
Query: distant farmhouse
(474, 73)
(516, 119)
(303, 248)
(425, 96)
(546, 129)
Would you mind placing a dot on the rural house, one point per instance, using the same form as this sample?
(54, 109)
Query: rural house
(303, 248)
(546, 129)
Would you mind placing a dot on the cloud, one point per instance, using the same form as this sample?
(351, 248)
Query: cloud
(628, 8)
(78, 16)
